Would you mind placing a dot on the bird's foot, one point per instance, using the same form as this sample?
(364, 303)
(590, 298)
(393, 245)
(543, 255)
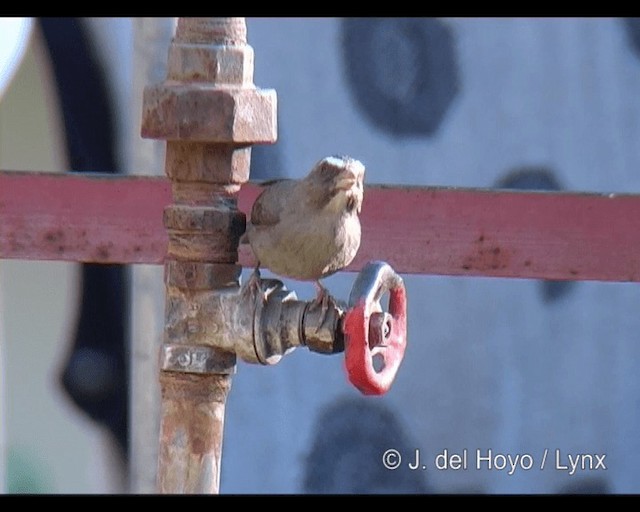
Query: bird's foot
(253, 285)
(323, 299)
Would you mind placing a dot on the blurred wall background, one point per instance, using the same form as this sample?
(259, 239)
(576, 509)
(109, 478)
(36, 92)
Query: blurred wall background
(512, 366)
(51, 445)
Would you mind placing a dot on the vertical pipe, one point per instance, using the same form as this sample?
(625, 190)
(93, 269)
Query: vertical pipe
(151, 38)
(193, 408)
(209, 112)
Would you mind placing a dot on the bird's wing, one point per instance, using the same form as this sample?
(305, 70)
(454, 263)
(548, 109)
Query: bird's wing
(268, 207)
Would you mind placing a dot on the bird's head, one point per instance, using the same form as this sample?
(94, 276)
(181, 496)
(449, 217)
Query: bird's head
(338, 183)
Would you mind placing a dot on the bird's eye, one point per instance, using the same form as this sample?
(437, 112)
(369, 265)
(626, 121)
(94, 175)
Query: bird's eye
(351, 203)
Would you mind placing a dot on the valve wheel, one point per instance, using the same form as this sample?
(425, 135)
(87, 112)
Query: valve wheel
(375, 341)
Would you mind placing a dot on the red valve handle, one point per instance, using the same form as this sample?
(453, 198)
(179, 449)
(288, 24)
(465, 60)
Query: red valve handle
(364, 327)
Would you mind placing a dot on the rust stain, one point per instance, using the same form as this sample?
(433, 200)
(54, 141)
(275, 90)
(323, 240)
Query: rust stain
(103, 251)
(54, 236)
(486, 256)
(55, 239)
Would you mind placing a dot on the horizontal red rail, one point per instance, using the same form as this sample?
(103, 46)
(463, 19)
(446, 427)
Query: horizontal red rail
(417, 230)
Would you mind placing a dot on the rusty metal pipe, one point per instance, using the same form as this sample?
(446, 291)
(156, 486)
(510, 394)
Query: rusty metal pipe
(210, 113)
(191, 432)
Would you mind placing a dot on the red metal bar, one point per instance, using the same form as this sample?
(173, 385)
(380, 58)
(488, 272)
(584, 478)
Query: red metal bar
(89, 218)
(417, 230)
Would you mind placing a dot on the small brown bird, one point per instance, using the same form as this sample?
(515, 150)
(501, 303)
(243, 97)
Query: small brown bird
(309, 229)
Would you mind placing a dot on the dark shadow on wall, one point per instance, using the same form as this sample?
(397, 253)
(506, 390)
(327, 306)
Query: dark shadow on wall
(402, 73)
(346, 457)
(95, 375)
